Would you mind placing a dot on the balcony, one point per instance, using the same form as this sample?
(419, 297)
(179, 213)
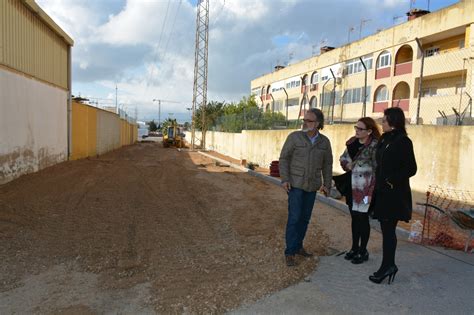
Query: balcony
(403, 68)
(379, 107)
(444, 62)
(404, 104)
(382, 73)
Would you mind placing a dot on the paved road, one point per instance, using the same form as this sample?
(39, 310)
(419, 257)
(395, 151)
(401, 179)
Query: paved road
(429, 281)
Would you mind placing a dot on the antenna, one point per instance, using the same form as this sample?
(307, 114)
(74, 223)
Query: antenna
(349, 34)
(362, 22)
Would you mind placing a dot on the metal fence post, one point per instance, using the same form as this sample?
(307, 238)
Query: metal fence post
(364, 105)
(420, 85)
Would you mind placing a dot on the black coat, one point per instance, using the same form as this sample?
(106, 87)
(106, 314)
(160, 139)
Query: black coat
(395, 165)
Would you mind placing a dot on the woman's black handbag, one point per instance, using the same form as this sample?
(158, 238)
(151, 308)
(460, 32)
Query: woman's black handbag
(343, 183)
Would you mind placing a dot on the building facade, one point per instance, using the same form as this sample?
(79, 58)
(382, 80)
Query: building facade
(35, 85)
(423, 66)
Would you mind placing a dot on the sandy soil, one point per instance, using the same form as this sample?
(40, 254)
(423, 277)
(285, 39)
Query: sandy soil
(150, 230)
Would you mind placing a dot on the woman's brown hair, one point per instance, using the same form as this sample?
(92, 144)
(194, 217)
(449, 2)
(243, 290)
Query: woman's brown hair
(370, 124)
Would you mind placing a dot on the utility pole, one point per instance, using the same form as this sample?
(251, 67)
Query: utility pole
(159, 107)
(200, 70)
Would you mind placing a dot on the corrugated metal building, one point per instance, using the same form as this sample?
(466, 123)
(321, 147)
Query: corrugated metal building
(35, 85)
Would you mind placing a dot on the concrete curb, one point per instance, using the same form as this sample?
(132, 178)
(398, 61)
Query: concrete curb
(401, 233)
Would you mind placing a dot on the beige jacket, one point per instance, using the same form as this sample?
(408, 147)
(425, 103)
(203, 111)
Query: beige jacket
(302, 163)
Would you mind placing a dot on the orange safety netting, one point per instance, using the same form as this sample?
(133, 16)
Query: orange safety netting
(449, 218)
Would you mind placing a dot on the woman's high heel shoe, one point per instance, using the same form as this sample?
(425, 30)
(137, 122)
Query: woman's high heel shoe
(390, 273)
(351, 254)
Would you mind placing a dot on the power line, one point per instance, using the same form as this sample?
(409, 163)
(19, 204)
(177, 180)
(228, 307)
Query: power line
(150, 76)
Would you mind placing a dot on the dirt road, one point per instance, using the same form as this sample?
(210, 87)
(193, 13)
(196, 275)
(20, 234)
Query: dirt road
(145, 229)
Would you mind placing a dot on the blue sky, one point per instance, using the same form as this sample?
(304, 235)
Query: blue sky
(146, 47)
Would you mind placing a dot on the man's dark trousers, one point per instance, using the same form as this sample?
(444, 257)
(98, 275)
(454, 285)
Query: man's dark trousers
(300, 207)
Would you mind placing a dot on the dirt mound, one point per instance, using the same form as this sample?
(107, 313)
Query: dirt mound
(193, 236)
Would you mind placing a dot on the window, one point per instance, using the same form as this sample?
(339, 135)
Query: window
(355, 95)
(462, 43)
(328, 97)
(428, 92)
(381, 95)
(432, 51)
(304, 81)
(293, 84)
(324, 78)
(347, 99)
(384, 60)
(314, 78)
(279, 105)
(355, 66)
(293, 102)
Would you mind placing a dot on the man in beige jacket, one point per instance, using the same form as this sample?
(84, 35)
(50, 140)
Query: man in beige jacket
(305, 157)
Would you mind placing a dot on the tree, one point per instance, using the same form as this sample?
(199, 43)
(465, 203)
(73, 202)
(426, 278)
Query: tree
(167, 123)
(213, 113)
(152, 126)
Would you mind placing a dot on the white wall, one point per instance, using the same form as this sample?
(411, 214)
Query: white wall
(444, 154)
(108, 132)
(33, 125)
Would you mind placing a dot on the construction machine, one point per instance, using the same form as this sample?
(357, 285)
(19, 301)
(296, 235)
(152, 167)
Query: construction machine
(173, 136)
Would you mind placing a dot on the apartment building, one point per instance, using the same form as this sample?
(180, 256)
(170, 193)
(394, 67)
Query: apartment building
(423, 66)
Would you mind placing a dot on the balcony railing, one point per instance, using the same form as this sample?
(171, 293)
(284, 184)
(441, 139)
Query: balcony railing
(403, 68)
(382, 73)
(404, 104)
(379, 107)
(443, 63)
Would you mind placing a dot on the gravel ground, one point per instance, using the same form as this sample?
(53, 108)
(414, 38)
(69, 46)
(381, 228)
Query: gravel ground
(149, 230)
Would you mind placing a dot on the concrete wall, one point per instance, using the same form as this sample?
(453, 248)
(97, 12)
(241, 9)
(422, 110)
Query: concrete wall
(444, 153)
(33, 125)
(108, 132)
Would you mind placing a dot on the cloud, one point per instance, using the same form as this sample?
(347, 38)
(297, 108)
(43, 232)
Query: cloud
(147, 47)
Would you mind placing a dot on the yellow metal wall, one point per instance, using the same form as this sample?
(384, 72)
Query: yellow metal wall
(86, 131)
(28, 45)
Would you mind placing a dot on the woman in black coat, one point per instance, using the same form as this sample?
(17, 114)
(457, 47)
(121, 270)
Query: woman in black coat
(392, 200)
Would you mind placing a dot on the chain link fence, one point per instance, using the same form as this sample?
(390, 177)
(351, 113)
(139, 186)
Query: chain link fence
(249, 119)
(445, 91)
(433, 87)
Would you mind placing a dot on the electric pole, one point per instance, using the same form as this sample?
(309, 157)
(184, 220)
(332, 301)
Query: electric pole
(200, 70)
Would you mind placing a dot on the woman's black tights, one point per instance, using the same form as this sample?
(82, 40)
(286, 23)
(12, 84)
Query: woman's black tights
(360, 230)
(389, 242)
